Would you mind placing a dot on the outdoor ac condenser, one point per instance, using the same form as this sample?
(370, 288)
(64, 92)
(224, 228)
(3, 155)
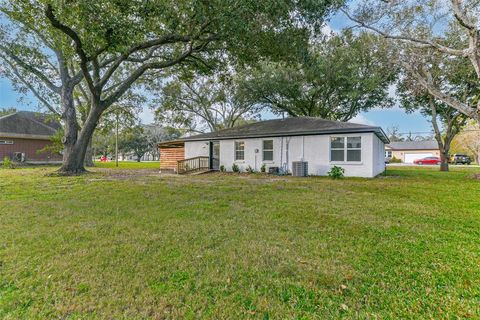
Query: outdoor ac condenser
(299, 168)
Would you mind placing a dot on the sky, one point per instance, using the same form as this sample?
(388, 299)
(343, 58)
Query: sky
(385, 118)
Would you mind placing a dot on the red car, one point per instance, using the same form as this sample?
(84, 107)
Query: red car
(428, 160)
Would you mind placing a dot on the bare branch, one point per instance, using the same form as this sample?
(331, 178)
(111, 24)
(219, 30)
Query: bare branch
(461, 17)
(419, 42)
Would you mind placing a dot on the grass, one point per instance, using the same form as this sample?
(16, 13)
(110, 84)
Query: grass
(120, 245)
(128, 165)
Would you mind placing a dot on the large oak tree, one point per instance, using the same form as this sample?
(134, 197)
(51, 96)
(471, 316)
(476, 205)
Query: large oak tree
(338, 77)
(416, 28)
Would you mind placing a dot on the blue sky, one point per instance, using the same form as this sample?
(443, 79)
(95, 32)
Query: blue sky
(380, 117)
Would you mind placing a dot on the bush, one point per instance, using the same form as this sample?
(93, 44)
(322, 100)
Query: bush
(395, 160)
(235, 168)
(336, 172)
(222, 168)
(250, 169)
(7, 163)
(263, 168)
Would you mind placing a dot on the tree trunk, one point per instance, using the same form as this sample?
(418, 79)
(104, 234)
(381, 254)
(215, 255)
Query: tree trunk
(75, 149)
(89, 155)
(72, 161)
(444, 158)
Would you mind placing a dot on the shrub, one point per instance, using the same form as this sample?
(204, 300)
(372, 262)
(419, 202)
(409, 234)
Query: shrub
(7, 163)
(395, 160)
(263, 168)
(235, 168)
(250, 169)
(336, 172)
(222, 168)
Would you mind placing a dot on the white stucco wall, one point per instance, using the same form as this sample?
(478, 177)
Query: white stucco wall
(196, 149)
(314, 149)
(379, 159)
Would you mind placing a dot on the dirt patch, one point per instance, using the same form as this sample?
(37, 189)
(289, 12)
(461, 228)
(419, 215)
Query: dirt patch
(476, 176)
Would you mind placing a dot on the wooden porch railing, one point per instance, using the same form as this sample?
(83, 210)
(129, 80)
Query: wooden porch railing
(193, 164)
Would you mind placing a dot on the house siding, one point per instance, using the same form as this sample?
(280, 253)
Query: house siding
(30, 147)
(315, 149)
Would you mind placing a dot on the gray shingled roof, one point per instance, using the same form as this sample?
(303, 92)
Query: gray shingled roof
(414, 145)
(289, 127)
(27, 124)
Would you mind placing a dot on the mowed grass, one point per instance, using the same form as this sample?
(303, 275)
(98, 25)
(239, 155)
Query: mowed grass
(128, 165)
(116, 245)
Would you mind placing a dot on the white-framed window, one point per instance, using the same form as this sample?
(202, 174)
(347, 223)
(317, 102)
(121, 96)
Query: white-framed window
(345, 149)
(239, 150)
(6, 142)
(267, 147)
(388, 154)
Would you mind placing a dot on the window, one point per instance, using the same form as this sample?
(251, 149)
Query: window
(388, 154)
(267, 150)
(354, 149)
(239, 150)
(337, 149)
(346, 149)
(6, 142)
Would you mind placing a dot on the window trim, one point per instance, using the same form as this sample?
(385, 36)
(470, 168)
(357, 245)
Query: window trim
(235, 151)
(345, 150)
(263, 151)
(10, 142)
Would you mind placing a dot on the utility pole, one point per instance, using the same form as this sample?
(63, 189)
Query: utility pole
(116, 140)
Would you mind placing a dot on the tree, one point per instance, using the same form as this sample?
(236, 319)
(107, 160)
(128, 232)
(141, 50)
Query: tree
(393, 134)
(415, 97)
(412, 27)
(155, 134)
(340, 76)
(50, 47)
(468, 141)
(135, 141)
(201, 104)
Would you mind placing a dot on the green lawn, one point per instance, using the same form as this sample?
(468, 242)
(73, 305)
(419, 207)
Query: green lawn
(129, 165)
(115, 244)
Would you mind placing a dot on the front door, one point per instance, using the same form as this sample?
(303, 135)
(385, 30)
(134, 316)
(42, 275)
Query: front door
(215, 155)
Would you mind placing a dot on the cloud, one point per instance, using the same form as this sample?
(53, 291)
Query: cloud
(361, 119)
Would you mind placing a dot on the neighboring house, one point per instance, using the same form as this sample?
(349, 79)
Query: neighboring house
(24, 134)
(409, 151)
(358, 148)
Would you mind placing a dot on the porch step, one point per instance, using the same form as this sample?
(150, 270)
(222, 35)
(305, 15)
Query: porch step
(194, 173)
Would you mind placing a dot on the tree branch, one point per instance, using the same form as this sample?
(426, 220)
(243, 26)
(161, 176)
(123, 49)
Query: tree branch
(139, 72)
(78, 45)
(420, 42)
(30, 68)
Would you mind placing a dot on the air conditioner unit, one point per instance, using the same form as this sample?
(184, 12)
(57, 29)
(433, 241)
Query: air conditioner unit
(19, 157)
(299, 168)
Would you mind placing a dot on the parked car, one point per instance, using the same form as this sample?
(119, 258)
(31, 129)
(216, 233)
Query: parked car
(458, 158)
(428, 160)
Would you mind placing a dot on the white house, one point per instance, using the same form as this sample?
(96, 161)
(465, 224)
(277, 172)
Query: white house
(359, 149)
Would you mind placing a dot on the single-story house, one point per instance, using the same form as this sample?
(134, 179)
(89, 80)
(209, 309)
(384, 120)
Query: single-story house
(409, 151)
(279, 144)
(24, 135)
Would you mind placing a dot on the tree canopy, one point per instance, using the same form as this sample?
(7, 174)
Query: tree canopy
(337, 78)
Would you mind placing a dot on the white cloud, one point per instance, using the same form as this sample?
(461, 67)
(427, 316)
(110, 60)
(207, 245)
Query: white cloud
(361, 119)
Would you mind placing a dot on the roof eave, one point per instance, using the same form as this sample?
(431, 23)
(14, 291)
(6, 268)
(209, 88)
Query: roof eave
(24, 136)
(377, 130)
